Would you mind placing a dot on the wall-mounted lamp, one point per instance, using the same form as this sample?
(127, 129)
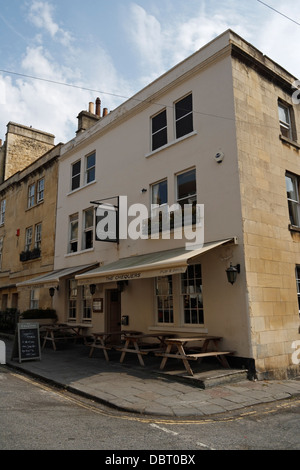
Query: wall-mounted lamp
(92, 288)
(232, 273)
(144, 190)
(52, 290)
(121, 285)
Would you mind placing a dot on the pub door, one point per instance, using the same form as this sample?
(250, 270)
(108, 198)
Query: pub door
(113, 311)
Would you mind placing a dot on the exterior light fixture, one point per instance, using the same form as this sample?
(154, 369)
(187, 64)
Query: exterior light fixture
(52, 291)
(232, 273)
(121, 285)
(92, 288)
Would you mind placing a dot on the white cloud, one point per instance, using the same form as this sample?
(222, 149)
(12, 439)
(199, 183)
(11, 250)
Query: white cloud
(41, 15)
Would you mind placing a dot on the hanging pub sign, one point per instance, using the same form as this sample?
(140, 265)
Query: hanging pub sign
(107, 222)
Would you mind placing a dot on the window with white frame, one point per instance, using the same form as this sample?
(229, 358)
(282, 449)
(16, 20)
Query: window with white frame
(40, 190)
(287, 120)
(28, 238)
(2, 211)
(38, 236)
(164, 299)
(90, 167)
(75, 177)
(186, 188)
(192, 297)
(73, 234)
(34, 298)
(159, 192)
(88, 229)
(86, 303)
(159, 130)
(184, 116)
(72, 299)
(298, 285)
(292, 190)
(31, 196)
(1, 251)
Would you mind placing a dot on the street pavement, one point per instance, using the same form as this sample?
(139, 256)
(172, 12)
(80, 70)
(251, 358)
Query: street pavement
(147, 390)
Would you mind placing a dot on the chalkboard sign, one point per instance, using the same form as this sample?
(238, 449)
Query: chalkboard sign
(27, 342)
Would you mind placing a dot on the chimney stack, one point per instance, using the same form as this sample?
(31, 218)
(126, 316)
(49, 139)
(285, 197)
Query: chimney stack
(98, 107)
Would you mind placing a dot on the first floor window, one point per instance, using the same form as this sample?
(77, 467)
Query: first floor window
(75, 178)
(38, 236)
(28, 239)
(86, 303)
(2, 211)
(292, 190)
(285, 120)
(72, 301)
(31, 191)
(164, 299)
(192, 297)
(1, 250)
(88, 221)
(298, 285)
(73, 242)
(186, 193)
(34, 298)
(40, 190)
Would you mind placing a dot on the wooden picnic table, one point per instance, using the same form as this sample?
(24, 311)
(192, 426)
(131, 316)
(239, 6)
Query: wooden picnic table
(181, 351)
(134, 341)
(64, 331)
(103, 340)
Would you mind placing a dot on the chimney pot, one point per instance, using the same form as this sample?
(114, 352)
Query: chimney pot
(105, 112)
(91, 107)
(98, 107)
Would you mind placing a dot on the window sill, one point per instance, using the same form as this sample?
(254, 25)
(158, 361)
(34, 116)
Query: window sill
(285, 140)
(81, 187)
(170, 144)
(34, 205)
(88, 250)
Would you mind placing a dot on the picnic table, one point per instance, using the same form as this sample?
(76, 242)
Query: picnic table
(105, 340)
(182, 350)
(134, 344)
(64, 331)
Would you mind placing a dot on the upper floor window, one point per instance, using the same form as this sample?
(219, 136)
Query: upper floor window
(298, 285)
(2, 211)
(88, 220)
(286, 118)
(73, 241)
(28, 238)
(90, 168)
(292, 189)
(31, 196)
(159, 193)
(1, 250)
(159, 130)
(186, 188)
(184, 116)
(75, 183)
(38, 236)
(40, 190)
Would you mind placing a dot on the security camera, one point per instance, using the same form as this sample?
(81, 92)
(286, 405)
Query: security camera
(219, 157)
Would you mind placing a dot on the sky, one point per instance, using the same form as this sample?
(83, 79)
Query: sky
(114, 48)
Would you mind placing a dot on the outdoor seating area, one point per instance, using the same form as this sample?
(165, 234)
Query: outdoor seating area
(165, 345)
(63, 332)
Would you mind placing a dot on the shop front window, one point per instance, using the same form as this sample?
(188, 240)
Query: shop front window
(164, 299)
(191, 292)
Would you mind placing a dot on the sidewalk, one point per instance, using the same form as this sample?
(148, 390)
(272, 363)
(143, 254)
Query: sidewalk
(132, 388)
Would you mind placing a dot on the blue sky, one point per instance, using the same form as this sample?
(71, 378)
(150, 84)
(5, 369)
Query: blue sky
(116, 47)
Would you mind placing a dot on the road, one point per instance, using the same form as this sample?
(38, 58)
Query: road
(36, 416)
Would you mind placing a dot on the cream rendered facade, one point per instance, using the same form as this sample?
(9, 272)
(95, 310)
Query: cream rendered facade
(244, 198)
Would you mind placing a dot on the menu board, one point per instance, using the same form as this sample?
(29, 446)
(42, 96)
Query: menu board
(27, 342)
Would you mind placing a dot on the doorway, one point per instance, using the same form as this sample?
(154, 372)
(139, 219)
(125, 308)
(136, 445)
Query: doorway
(113, 311)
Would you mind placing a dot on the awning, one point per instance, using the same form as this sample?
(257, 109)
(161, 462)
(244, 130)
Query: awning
(161, 263)
(53, 278)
